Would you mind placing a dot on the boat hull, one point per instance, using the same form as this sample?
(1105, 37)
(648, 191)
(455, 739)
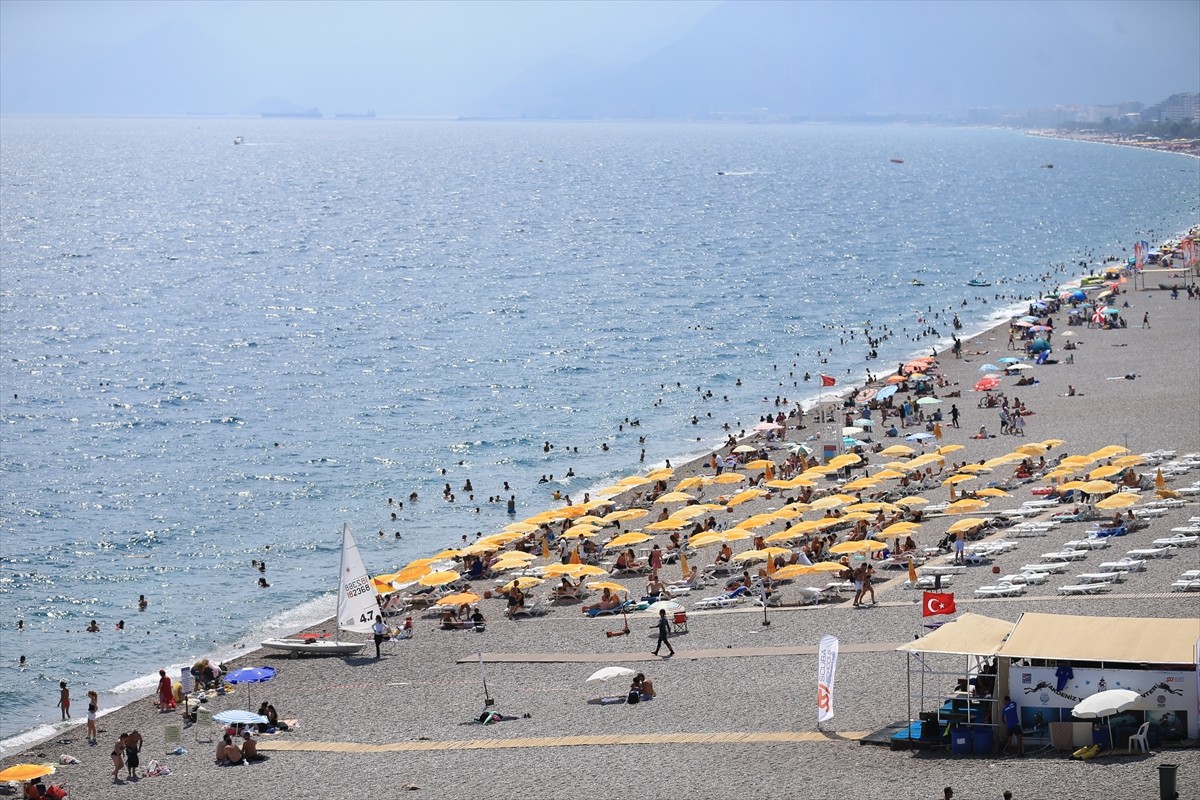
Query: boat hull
(314, 646)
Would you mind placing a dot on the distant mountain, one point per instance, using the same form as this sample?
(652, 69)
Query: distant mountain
(173, 69)
(833, 58)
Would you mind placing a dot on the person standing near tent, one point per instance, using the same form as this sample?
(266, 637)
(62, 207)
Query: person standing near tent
(664, 632)
(1012, 726)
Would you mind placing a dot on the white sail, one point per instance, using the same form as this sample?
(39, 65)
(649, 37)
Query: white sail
(356, 606)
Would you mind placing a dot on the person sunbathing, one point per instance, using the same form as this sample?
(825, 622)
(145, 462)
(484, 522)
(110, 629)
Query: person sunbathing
(250, 747)
(656, 588)
(608, 601)
(725, 554)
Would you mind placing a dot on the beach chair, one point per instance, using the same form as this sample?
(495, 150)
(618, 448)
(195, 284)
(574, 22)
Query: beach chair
(726, 600)
(1083, 588)
(607, 612)
(1055, 568)
(1141, 738)
(1149, 552)
(1178, 540)
(1124, 565)
(1186, 586)
(809, 596)
(1000, 590)
(1111, 576)
(679, 622)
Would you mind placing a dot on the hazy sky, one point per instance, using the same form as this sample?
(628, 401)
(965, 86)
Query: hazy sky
(449, 58)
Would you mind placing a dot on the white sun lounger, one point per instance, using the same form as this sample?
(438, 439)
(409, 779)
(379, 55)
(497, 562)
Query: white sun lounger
(1084, 588)
(1149, 512)
(1065, 555)
(928, 582)
(1124, 565)
(1149, 552)
(1178, 540)
(1003, 590)
(945, 569)
(1099, 577)
(1190, 575)
(1187, 530)
(1186, 586)
(1026, 578)
(1058, 566)
(1098, 543)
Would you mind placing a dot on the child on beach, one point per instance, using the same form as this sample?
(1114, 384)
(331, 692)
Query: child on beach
(64, 699)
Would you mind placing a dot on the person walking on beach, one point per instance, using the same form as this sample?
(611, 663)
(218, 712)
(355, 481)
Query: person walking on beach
(380, 631)
(93, 709)
(1146, 320)
(118, 757)
(1012, 725)
(954, 415)
(664, 632)
(64, 699)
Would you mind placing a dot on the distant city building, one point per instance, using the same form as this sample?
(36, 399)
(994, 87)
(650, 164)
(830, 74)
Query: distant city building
(1183, 107)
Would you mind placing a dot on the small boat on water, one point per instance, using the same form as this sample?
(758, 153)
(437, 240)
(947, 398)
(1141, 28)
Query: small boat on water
(897, 160)
(356, 608)
(915, 282)
(238, 140)
(979, 282)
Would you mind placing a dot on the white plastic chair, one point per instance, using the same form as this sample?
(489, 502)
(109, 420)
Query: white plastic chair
(1142, 738)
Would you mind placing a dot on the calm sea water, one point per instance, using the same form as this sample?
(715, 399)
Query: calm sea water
(217, 353)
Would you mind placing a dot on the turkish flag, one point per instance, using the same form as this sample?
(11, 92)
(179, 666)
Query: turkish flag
(827, 381)
(937, 603)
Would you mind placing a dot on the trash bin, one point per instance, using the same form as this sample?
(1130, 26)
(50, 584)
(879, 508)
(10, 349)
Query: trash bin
(1166, 782)
(960, 742)
(982, 739)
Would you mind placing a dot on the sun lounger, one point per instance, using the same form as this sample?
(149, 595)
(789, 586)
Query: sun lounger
(1084, 588)
(605, 612)
(1149, 552)
(536, 609)
(1025, 578)
(1065, 555)
(1099, 577)
(1086, 544)
(1124, 565)
(1186, 586)
(720, 601)
(1104, 533)
(1058, 566)
(945, 569)
(1187, 530)
(928, 582)
(1178, 540)
(1191, 575)
(1039, 504)
(1003, 590)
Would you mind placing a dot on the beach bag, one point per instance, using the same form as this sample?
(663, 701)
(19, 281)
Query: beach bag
(634, 697)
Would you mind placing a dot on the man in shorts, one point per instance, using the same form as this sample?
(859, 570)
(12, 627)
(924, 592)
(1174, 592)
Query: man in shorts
(1012, 726)
(959, 544)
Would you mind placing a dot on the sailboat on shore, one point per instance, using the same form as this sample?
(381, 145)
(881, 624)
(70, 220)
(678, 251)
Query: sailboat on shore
(356, 608)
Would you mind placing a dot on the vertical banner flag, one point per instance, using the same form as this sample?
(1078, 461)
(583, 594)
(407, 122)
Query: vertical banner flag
(827, 654)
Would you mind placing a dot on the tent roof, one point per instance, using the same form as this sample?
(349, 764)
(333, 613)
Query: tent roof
(970, 634)
(1115, 639)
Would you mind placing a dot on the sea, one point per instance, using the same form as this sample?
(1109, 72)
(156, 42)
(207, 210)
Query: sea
(215, 354)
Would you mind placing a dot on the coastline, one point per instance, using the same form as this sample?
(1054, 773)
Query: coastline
(1182, 147)
(416, 674)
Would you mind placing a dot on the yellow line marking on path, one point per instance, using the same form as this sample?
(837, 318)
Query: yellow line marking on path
(753, 737)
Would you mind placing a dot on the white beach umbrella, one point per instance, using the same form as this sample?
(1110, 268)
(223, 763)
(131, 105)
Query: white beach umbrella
(609, 673)
(1105, 704)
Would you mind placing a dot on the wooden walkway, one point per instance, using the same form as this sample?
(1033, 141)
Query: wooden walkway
(609, 740)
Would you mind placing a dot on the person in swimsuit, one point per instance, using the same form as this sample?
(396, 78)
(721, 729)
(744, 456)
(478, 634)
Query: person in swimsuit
(64, 699)
(133, 746)
(118, 757)
(93, 707)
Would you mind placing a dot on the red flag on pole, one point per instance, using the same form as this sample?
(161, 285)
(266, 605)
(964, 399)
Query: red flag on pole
(937, 603)
(827, 380)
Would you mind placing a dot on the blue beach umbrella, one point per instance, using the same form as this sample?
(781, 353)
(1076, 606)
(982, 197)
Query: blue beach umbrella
(1008, 360)
(989, 368)
(1039, 345)
(250, 675)
(1079, 294)
(886, 392)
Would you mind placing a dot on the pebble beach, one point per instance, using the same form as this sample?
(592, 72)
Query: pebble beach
(735, 714)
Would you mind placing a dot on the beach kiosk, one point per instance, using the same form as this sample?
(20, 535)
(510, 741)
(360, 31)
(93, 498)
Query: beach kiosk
(1048, 664)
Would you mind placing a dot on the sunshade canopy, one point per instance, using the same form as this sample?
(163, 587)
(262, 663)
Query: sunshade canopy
(970, 634)
(1127, 640)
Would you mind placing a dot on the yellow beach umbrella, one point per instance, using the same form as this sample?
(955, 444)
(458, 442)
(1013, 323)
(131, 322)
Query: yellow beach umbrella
(382, 586)
(458, 599)
(873, 507)
(580, 532)
(974, 468)
(520, 527)
(793, 571)
(900, 529)
(689, 483)
(660, 474)
(629, 513)
(966, 524)
(1072, 485)
(439, 578)
(1098, 487)
(858, 484)
(956, 479)
(1110, 451)
(762, 555)
(1129, 461)
(590, 519)
(674, 497)
(744, 497)
(609, 491)
(948, 448)
(888, 474)
(1032, 449)
(669, 524)
(522, 583)
(845, 460)
(832, 501)
(626, 539)
(857, 547)
(557, 570)
(1076, 461)
(1105, 472)
(965, 506)
(610, 585)
(1054, 442)
(756, 521)
(912, 501)
(584, 570)
(729, 477)
(25, 772)
(410, 573)
(759, 463)
(992, 491)
(635, 480)
(1119, 500)
(897, 450)
(828, 566)
(690, 512)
